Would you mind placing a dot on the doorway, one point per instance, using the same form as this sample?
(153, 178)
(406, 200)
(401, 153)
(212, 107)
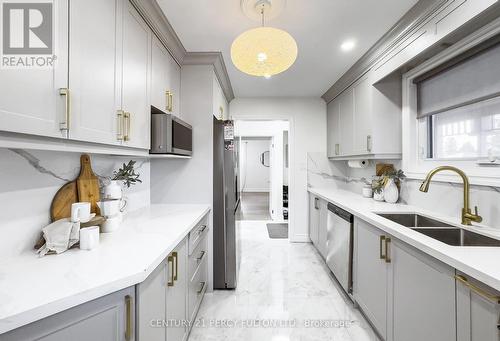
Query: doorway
(262, 170)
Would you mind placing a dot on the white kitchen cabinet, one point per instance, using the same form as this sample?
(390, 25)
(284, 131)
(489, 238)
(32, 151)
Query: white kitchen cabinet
(220, 105)
(151, 303)
(30, 100)
(333, 128)
(177, 293)
(136, 123)
(109, 318)
(371, 274)
(95, 70)
(421, 295)
(478, 310)
(313, 219)
(365, 120)
(165, 79)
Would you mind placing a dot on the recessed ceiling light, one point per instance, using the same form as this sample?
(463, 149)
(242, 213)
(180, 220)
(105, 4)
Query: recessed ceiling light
(348, 45)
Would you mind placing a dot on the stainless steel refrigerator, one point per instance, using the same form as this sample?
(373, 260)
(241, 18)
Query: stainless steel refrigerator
(224, 202)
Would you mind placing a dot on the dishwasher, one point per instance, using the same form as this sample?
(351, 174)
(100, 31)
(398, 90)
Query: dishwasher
(339, 245)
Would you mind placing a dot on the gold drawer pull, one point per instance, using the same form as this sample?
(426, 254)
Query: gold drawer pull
(387, 250)
(64, 126)
(170, 274)
(129, 324)
(381, 246)
(202, 288)
(478, 290)
(176, 273)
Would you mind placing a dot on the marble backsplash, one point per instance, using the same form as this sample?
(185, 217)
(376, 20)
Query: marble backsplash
(443, 198)
(29, 181)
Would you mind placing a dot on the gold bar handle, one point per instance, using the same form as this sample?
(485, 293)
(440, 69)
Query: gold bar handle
(64, 126)
(478, 290)
(381, 246)
(337, 149)
(176, 258)
(170, 274)
(171, 108)
(169, 98)
(126, 119)
(202, 287)
(129, 324)
(119, 118)
(369, 143)
(387, 250)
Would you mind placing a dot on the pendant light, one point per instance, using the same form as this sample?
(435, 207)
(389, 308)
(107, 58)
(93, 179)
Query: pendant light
(263, 51)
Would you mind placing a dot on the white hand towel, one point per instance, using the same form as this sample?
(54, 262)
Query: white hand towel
(60, 236)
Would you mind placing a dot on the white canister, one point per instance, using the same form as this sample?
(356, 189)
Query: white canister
(113, 190)
(391, 192)
(89, 238)
(367, 191)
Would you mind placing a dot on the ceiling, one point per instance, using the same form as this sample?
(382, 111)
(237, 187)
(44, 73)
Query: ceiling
(319, 27)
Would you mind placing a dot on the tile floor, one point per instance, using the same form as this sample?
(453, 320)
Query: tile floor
(253, 206)
(279, 281)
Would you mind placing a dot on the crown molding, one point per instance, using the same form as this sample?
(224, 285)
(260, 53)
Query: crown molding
(412, 19)
(217, 60)
(159, 24)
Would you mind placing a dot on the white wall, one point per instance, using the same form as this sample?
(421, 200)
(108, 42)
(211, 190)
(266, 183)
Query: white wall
(254, 176)
(307, 117)
(30, 179)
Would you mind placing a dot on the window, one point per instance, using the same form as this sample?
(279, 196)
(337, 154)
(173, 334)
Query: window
(458, 106)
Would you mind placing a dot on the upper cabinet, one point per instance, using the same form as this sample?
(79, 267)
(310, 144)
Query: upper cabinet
(30, 100)
(165, 79)
(95, 70)
(136, 124)
(365, 121)
(220, 105)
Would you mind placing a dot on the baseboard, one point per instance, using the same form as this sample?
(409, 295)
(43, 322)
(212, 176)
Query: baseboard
(300, 238)
(256, 190)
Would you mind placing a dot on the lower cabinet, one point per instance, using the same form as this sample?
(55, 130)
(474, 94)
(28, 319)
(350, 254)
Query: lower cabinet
(318, 215)
(109, 318)
(406, 294)
(168, 300)
(478, 310)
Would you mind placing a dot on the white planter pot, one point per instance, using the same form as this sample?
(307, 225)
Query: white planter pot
(113, 190)
(391, 192)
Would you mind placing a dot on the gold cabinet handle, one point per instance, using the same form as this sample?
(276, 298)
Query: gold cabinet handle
(369, 143)
(170, 274)
(129, 324)
(126, 119)
(337, 149)
(170, 100)
(176, 259)
(171, 108)
(202, 287)
(221, 112)
(202, 254)
(64, 126)
(119, 119)
(381, 246)
(478, 290)
(387, 250)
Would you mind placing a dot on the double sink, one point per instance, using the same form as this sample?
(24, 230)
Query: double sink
(440, 231)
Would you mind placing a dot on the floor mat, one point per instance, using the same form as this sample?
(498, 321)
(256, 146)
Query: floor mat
(277, 230)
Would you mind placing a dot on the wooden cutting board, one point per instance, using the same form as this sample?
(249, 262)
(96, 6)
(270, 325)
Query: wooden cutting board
(64, 198)
(88, 185)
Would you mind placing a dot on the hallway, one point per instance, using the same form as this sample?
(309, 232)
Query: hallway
(253, 206)
(279, 281)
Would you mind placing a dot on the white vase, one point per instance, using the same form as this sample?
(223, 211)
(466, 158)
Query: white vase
(113, 190)
(391, 192)
(378, 196)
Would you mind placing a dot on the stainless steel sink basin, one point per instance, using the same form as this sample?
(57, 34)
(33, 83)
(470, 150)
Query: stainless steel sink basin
(443, 232)
(458, 237)
(413, 220)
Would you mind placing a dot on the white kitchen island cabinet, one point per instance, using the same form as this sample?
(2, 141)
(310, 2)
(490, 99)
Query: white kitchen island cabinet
(109, 318)
(318, 216)
(313, 218)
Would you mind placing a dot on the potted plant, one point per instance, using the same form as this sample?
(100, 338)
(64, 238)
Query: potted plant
(126, 175)
(392, 181)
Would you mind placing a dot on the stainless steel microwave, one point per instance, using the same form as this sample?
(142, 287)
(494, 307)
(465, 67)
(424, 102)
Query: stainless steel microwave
(170, 135)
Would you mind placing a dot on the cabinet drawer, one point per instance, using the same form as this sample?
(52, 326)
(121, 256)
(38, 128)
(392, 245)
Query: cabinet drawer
(197, 258)
(196, 288)
(197, 234)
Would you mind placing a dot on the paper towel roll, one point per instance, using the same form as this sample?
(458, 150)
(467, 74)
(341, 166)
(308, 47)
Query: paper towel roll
(358, 163)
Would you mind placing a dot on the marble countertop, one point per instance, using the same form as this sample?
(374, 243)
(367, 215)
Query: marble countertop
(481, 263)
(32, 288)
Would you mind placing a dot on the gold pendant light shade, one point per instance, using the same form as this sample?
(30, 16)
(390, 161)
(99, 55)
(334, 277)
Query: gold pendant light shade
(264, 51)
